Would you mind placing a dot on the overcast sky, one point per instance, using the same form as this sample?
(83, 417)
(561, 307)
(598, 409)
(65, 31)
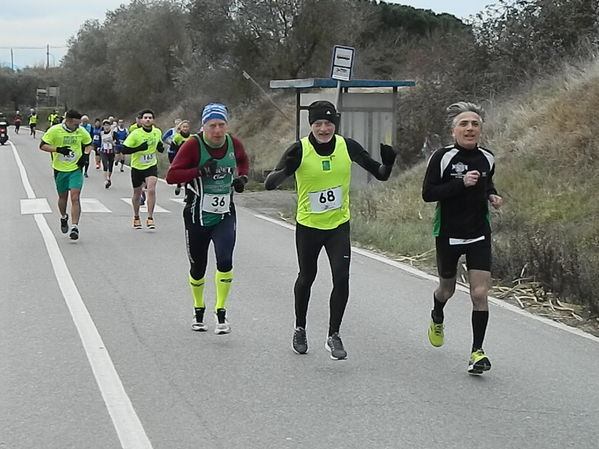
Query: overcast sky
(37, 23)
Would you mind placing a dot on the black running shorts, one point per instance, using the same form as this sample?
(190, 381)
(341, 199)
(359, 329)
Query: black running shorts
(138, 177)
(478, 256)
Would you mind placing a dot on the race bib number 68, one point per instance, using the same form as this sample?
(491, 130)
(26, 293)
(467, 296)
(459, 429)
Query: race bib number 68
(325, 200)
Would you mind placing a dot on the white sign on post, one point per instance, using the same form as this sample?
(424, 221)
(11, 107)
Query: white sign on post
(343, 61)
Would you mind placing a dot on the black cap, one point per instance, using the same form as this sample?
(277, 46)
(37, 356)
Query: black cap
(323, 110)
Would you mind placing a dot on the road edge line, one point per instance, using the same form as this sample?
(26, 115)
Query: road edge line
(124, 418)
(421, 274)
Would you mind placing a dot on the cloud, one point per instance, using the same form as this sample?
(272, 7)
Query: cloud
(44, 23)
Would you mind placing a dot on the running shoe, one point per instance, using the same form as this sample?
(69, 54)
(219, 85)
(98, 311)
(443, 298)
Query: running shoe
(74, 235)
(64, 224)
(436, 334)
(335, 346)
(107, 183)
(85, 174)
(300, 342)
(142, 200)
(222, 325)
(479, 362)
(177, 190)
(97, 166)
(198, 324)
(150, 223)
(136, 223)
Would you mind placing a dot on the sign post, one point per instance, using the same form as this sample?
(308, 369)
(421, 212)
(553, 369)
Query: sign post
(343, 62)
(341, 67)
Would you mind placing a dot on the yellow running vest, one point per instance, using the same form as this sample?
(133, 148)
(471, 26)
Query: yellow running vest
(323, 186)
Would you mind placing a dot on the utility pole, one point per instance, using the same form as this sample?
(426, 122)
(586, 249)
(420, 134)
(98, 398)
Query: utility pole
(12, 61)
(47, 56)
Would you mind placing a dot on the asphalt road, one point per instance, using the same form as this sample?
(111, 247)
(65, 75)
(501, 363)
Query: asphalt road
(98, 353)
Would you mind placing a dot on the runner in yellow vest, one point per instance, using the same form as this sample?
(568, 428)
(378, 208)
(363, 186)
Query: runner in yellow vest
(142, 144)
(322, 164)
(69, 145)
(32, 122)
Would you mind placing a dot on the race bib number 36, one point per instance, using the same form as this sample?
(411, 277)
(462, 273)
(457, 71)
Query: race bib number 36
(325, 200)
(216, 204)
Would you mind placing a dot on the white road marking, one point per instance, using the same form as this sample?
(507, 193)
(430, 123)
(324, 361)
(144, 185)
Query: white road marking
(144, 208)
(93, 205)
(423, 275)
(124, 418)
(178, 200)
(35, 206)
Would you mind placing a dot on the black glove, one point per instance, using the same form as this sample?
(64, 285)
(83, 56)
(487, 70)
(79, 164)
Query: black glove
(160, 147)
(387, 155)
(83, 160)
(208, 169)
(239, 183)
(63, 150)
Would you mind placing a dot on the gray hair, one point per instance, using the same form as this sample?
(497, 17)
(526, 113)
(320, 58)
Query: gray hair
(463, 106)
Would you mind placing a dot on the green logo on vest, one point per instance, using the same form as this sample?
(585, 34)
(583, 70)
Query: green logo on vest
(326, 165)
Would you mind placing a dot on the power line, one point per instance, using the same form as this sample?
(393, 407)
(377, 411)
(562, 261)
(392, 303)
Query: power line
(33, 48)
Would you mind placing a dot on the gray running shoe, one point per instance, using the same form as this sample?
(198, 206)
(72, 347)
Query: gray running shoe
(335, 346)
(300, 343)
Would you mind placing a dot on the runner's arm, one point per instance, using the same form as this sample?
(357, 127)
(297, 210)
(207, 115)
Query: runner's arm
(287, 165)
(184, 167)
(433, 187)
(48, 148)
(241, 157)
(360, 156)
(129, 150)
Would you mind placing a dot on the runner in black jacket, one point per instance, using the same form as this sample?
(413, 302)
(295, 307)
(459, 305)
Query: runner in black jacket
(460, 179)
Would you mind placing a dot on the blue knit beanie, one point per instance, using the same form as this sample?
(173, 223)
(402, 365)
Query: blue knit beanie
(214, 110)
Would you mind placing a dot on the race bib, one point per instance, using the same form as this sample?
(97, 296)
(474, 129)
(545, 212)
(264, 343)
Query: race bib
(147, 158)
(216, 204)
(106, 146)
(68, 157)
(325, 200)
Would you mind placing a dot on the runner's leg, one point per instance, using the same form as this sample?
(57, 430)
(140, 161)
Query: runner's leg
(308, 243)
(338, 248)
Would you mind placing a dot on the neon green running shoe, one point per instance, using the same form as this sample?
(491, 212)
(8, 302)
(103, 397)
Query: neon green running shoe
(479, 362)
(436, 334)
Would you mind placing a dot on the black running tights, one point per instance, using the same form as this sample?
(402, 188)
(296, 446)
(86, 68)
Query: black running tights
(198, 239)
(309, 242)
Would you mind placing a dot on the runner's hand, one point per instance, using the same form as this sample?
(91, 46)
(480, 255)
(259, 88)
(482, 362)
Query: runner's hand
(239, 183)
(388, 155)
(471, 178)
(496, 201)
(63, 150)
(208, 169)
(83, 160)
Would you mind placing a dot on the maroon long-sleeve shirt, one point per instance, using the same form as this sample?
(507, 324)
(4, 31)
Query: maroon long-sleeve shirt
(185, 165)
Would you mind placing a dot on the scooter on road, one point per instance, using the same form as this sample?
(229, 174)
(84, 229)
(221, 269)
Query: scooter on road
(3, 131)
